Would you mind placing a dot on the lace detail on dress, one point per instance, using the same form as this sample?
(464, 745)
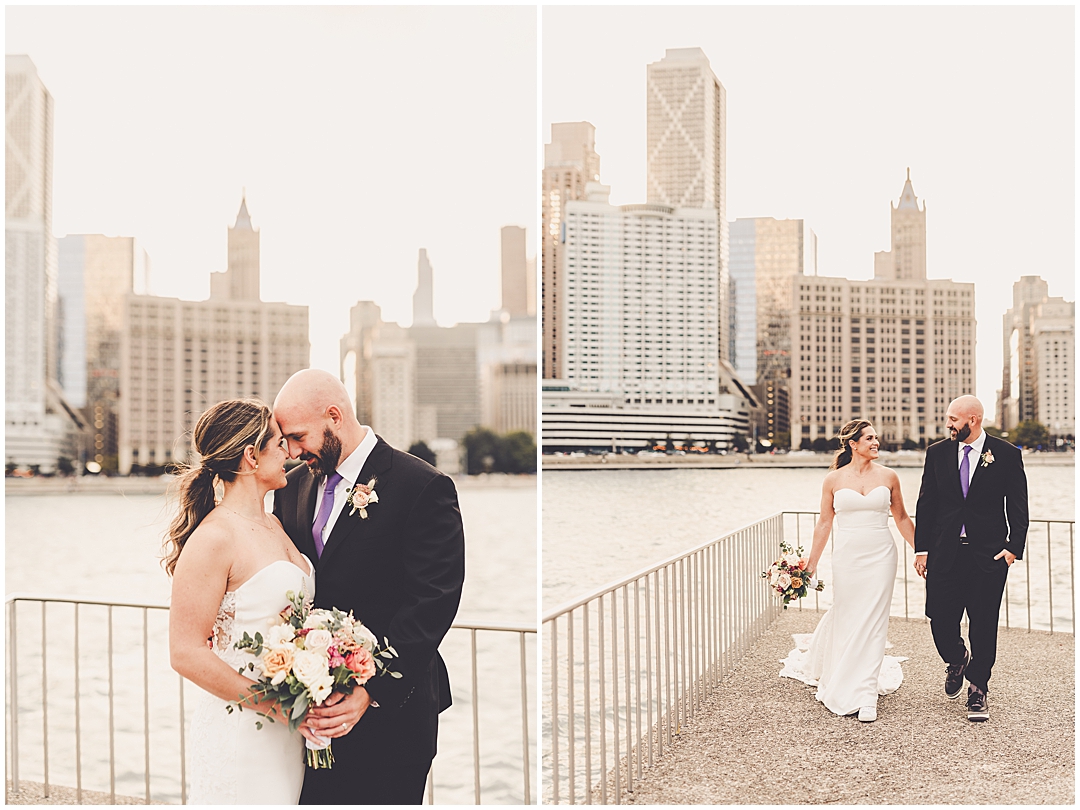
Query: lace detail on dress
(223, 624)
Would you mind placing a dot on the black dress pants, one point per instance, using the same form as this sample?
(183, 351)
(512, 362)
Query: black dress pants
(967, 585)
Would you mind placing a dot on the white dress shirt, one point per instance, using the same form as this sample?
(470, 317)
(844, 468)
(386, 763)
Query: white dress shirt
(349, 470)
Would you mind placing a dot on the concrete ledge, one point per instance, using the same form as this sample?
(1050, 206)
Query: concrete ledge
(758, 735)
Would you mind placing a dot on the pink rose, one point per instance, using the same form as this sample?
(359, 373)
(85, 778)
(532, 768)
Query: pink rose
(361, 663)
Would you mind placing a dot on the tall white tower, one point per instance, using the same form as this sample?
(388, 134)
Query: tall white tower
(906, 259)
(423, 300)
(687, 148)
(31, 436)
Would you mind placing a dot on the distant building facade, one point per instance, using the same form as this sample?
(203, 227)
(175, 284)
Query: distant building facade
(895, 349)
(570, 162)
(40, 427)
(686, 132)
(639, 318)
(1038, 372)
(96, 272)
(767, 255)
(177, 358)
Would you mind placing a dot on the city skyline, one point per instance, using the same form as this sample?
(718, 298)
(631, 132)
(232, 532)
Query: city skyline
(165, 153)
(958, 95)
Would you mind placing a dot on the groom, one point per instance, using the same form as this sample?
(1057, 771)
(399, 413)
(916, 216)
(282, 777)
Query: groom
(971, 525)
(398, 565)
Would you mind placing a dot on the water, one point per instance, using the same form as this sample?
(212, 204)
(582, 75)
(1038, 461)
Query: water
(107, 547)
(602, 525)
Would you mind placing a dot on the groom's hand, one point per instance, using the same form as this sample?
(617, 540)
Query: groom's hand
(1010, 558)
(920, 565)
(338, 713)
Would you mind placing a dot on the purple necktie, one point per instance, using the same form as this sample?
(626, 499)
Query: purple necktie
(964, 480)
(327, 507)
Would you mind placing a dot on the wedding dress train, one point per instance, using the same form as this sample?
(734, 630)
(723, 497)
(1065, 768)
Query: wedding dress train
(230, 760)
(845, 656)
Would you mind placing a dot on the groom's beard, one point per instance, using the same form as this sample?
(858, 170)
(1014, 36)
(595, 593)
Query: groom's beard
(962, 434)
(326, 460)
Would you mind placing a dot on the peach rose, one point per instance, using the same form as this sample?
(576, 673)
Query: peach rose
(277, 663)
(796, 583)
(361, 662)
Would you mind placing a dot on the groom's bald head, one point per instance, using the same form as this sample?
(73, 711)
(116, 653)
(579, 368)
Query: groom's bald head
(315, 415)
(964, 418)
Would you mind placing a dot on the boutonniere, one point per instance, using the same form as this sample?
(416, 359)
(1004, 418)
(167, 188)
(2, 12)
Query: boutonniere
(361, 497)
(987, 458)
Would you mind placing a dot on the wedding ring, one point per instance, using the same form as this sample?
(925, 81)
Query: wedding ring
(345, 726)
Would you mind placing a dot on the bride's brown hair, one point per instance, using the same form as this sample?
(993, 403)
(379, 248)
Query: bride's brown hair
(220, 436)
(848, 433)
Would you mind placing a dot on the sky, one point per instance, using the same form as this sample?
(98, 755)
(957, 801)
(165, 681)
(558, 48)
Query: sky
(827, 108)
(361, 134)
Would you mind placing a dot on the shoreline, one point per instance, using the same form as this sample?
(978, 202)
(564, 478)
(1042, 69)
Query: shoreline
(909, 458)
(140, 485)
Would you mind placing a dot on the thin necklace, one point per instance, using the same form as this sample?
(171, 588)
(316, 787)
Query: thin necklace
(245, 517)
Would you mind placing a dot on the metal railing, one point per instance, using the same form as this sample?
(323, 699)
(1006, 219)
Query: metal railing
(626, 666)
(84, 724)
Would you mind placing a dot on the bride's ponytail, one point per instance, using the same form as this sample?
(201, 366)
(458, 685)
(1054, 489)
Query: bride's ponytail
(220, 437)
(848, 433)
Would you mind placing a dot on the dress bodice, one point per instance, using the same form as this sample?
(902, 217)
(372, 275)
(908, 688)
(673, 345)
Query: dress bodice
(255, 606)
(857, 511)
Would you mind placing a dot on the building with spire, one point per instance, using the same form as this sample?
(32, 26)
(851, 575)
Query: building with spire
(895, 349)
(177, 358)
(423, 301)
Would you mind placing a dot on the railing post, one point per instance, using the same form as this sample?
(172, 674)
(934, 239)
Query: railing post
(78, 722)
(555, 712)
(475, 723)
(112, 716)
(146, 702)
(524, 718)
(13, 647)
(1049, 578)
(44, 700)
(183, 745)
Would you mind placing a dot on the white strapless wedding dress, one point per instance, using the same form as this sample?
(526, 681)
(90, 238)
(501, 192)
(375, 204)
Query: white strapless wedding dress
(845, 657)
(230, 761)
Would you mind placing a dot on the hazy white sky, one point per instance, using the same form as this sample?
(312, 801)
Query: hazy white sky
(827, 107)
(362, 134)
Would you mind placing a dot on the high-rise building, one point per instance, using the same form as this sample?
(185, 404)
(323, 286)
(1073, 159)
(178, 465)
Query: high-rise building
(1037, 375)
(1018, 371)
(893, 350)
(767, 255)
(515, 272)
(96, 272)
(687, 149)
(570, 161)
(177, 358)
(39, 426)
(639, 319)
(906, 259)
(424, 295)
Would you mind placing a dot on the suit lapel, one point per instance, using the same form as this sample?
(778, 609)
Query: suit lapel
(977, 461)
(377, 466)
(952, 472)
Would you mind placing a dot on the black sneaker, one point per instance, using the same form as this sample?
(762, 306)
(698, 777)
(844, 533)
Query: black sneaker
(954, 677)
(976, 705)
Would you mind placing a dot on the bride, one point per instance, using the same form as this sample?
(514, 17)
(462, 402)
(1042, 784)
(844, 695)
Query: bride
(845, 657)
(231, 565)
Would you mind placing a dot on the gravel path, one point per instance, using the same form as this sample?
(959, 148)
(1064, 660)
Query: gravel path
(759, 735)
(34, 793)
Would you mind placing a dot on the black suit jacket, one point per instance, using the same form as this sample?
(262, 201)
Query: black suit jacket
(400, 571)
(995, 512)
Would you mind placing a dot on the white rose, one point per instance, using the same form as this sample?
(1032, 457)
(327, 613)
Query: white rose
(309, 668)
(279, 637)
(318, 641)
(784, 580)
(364, 637)
(774, 572)
(792, 560)
(317, 619)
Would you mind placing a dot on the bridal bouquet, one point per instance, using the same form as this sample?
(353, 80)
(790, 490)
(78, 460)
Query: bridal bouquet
(304, 659)
(787, 576)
